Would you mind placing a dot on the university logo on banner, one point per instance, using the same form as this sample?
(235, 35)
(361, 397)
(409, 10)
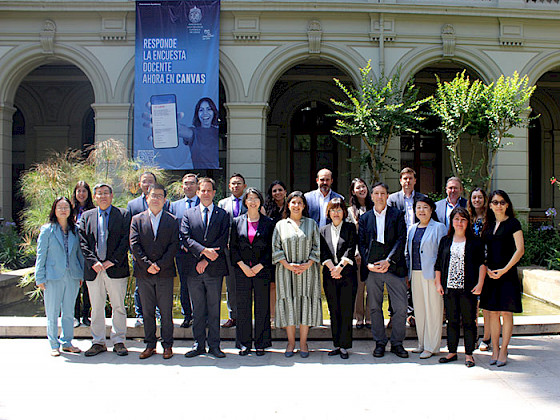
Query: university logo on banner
(176, 84)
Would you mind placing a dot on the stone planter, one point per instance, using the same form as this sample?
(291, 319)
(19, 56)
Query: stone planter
(541, 283)
(9, 292)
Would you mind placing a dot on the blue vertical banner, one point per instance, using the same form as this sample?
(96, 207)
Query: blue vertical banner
(176, 84)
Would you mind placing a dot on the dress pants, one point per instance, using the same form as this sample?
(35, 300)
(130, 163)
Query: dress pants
(206, 292)
(396, 286)
(60, 297)
(340, 294)
(154, 291)
(231, 289)
(246, 287)
(83, 305)
(182, 268)
(428, 305)
(461, 304)
(98, 290)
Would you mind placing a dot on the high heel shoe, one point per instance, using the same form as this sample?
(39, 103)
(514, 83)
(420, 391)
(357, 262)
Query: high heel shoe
(493, 361)
(499, 363)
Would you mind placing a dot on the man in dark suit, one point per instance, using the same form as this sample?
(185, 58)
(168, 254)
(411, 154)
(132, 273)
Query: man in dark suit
(318, 199)
(178, 208)
(134, 207)
(382, 237)
(234, 206)
(103, 235)
(154, 240)
(204, 231)
(405, 200)
(454, 191)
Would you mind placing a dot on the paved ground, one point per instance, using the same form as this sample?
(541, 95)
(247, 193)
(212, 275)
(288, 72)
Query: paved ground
(35, 385)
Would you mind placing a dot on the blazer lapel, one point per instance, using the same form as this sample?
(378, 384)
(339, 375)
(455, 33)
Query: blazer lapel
(244, 227)
(146, 221)
(328, 238)
(58, 234)
(93, 222)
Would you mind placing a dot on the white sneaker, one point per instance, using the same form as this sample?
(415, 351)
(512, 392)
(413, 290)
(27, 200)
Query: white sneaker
(426, 354)
(55, 352)
(76, 322)
(418, 350)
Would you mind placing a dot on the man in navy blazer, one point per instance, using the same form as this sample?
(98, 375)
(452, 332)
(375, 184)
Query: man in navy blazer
(134, 207)
(178, 208)
(204, 233)
(444, 207)
(382, 238)
(234, 206)
(318, 199)
(154, 240)
(103, 233)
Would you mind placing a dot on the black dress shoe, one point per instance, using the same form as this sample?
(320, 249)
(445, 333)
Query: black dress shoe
(259, 352)
(216, 352)
(86, 322)
(187, 323)
(447, 360)
(334, 352)
(244, 352)
(344, 355)
(359, 326)
(379, 350)
(195, 352)
(399, 351)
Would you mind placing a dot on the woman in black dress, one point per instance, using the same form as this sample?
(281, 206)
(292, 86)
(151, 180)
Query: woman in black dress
(338, 249)
(501, 294)
(251, 255)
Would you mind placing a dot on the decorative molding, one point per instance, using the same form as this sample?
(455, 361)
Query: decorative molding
(247, 27)
(511, 33)
(47, 36)
(314, 35)
(389, 34)
(448, 40)
(113, 27)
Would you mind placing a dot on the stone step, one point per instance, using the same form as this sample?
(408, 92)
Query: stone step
(35, 327)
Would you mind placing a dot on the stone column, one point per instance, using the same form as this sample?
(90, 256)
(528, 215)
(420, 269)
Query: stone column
(511, 169)
(113, 121)
(246, 146)
(6, 114)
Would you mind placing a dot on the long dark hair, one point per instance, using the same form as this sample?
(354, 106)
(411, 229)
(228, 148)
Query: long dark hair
(269, 204)
(463, 212)
(75, 204)
(490, 216)
(70, 220)
(196, 120)
(430, 203)
(355, 203)
(470, 207)
(304, 213)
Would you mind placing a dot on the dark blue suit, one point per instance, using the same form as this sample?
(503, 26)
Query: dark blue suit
(206, 288)
(177, 208)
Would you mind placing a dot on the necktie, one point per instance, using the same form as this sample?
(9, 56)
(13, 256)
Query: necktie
(236, 208)
(205, 217)
(102, 240)
(190, 202)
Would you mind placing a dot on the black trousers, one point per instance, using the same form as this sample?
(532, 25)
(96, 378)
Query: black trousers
(206, 293)
(182, 267)
(157, 292)
(83, 305)
(245, 288)
(460, 305)
(341, 295)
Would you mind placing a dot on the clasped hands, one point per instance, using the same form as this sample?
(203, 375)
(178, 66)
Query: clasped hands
(496, 274)
(298, 268)
(211, 254)
(98, 267)
(379, 266)
(250, 271)
(335, 270)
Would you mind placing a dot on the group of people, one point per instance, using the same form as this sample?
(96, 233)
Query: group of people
(274, 252)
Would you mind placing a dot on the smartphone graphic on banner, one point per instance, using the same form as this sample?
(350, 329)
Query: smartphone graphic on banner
(164, 121)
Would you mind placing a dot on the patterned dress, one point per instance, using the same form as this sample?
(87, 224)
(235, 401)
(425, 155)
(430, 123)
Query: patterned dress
(298, 297)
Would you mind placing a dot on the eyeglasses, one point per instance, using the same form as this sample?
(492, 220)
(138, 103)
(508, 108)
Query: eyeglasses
(499, 203)
(157, 196)
(252, 199)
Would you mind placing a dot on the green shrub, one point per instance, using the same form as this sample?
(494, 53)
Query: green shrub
(542, 246)
(15, 252)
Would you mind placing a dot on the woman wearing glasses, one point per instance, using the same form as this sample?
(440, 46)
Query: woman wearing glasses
(501, 294)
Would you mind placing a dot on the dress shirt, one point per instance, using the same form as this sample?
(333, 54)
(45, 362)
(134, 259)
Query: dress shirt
(380, 222)
(409, 209)
(155, 219)
(102, 232)
(335, 236)
(324, 201)
(190, 202)
(448, 209)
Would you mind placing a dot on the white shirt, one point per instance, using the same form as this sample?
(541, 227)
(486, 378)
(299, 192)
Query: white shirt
(449, 208)
(210, 210)
(409, 209)
(380, 222)
(324, 201)
(155, 219)
(335, 236)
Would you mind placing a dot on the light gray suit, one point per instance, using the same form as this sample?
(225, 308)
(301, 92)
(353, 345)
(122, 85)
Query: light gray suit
(228, 205)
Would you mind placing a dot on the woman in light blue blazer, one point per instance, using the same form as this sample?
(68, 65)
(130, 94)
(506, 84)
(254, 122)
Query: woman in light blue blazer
(421, 253)
(58, 272)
